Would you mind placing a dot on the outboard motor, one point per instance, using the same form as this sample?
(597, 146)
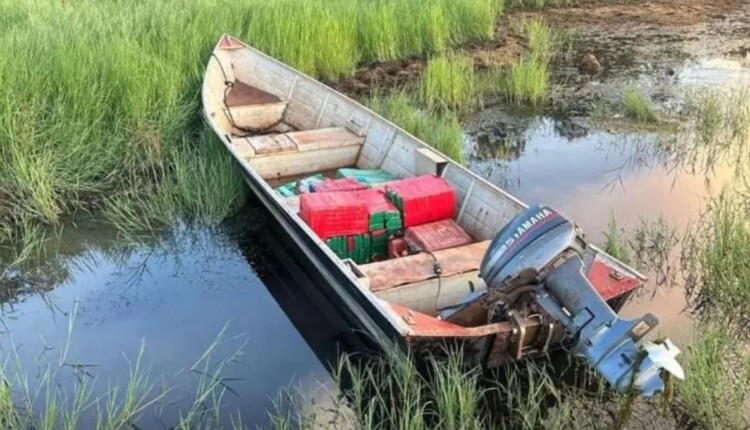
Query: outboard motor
(539, 256)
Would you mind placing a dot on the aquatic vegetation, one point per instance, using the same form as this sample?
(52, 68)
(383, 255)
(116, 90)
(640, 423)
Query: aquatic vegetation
(203, 183)
(718, 126)
(637, 106)
(542, 39)
(614, 243)
(441, 130)
(527, 81)
(653, 244)
(716, 392)
(391, 392)
(39, 399)
(449, 81)
(715, 257)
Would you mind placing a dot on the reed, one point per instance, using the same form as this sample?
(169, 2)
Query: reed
(528, 81)
(449, 82)
(98, 100)
(441, 130)
(715, 259)
(716, 392)
(637, 106)
(614, 243)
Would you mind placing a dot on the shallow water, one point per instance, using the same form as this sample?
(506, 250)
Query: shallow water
(177, 296)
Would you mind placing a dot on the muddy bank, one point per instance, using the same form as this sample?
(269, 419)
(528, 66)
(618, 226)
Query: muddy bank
(629, 39)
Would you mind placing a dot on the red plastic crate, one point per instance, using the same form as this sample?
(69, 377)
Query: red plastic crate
(343, 184)
(334, 214)
(436, 236)
(375, 200)
(424, 199)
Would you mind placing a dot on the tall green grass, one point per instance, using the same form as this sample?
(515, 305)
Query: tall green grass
(450, 82)
(100, 101)
(637, 106)
(715, 262)
(614, 242)
(441, 130)
(715, 393)
(390, 392)
(528, 81)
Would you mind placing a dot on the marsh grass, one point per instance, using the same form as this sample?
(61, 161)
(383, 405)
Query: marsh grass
(637, 106)
(393, 392)
(717, 128)
(655, 244)
(100, 102)
(528, 81)
(39, 400)
(716, 392)
(715, 259)
(614, 242)
(441, 130)
(202, 183)
(450, 82)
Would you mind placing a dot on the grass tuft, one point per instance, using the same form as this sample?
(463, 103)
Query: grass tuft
(637, 106)
(449, 82)
(715, 393)
(614, 244)
(527, 82)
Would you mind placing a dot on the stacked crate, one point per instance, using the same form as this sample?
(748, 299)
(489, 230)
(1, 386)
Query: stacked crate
(423, 199)
(354, 224)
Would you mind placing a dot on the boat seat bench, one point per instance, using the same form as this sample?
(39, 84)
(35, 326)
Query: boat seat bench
(384, 275)
(301, 141)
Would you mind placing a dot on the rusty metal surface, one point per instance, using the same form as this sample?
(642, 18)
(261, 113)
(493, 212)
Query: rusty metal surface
(609, 281)
(419, 267)
(242, 94)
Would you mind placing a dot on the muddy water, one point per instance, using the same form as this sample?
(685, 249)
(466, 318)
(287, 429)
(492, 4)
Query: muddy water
(176, 296)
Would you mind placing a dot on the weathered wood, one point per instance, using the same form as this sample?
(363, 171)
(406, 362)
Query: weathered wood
(324, 138)
(271, 144)
(419, 267)
(257, 117)
(430, 295)
(242, 94)
(283, 164)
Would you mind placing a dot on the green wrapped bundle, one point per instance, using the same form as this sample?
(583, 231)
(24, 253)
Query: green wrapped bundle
(367, 177)
(356, 247)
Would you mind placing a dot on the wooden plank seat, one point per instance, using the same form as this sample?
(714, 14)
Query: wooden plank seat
(302, 141)
(324, 138)
(415, 268)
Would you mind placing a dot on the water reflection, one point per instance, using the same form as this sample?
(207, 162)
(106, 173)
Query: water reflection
(175, 294)
(592, 174)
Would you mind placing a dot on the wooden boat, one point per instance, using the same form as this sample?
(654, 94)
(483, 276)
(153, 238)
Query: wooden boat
(281, 125)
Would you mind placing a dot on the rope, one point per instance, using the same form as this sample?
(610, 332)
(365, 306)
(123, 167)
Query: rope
(228, 85)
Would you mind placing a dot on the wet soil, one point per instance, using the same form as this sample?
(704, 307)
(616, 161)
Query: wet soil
(620, 34)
